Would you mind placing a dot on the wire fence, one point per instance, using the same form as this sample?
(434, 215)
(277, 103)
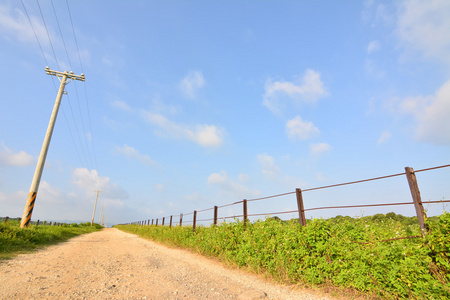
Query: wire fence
(409, 172)
(37, 223)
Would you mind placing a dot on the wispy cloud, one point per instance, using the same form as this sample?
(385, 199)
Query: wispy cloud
(89, 181)
(10, 158)
(301, 130)
(229, 186)
(202, 134)
(122, 105)
(373, 47)
(132, 153)
(424, 26)
(319, 148)
(191, 83)
(385, 135)
(431, 114)
(309, 88)
(269, 168)
(15, 24)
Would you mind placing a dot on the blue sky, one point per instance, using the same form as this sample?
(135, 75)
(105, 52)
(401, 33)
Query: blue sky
(191, 104)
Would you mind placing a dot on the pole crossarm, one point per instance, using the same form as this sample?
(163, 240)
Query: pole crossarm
(70, 75)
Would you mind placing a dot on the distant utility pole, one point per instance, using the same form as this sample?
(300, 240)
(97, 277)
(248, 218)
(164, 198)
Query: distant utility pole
(93, 214)
(100, 220)
(26, 217)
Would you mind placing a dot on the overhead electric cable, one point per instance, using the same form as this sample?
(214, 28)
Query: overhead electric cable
(50, 40)
(78, 133)
(85, 89)
(62, 36)
(37, 40)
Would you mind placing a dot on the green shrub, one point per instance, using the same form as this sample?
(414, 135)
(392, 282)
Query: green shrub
(342, 251)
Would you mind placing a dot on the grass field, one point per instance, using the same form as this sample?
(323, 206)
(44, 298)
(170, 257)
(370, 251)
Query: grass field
(350, 253)
(14, 240)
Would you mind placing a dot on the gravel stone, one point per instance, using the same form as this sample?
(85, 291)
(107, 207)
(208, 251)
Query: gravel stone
(111, 264)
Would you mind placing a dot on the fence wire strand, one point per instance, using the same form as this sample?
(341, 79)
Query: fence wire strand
(323, 187)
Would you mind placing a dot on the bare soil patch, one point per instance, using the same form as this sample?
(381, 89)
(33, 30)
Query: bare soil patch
(111, 264)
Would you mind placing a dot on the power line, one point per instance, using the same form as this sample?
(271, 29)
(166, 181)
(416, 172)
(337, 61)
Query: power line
(62, 36)
(50, 40)
(37, 40)
(85, 88)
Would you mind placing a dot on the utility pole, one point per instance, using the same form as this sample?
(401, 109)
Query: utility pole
(93, 214)
(100, 220)
(63, 77)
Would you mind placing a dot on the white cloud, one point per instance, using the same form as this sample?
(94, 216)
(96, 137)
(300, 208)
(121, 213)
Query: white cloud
(299, 129)
(269, 168)
(204, 135)
(229, 186)
(122, 105)
(373, 69)
(90, 181)
(159, 187)
(373, 47)
(15, 24)
(309, 88)
(10, 158)
(385, 135)
(191, 83)
(431, 114)
(319, 148)
(49, 194)
(243, 178)
(130, 152)
(424, 25)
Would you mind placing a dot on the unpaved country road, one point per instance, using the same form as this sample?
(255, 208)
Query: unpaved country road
(111, 264)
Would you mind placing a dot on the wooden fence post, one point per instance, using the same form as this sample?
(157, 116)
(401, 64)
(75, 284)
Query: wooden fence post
(163, 221)
(170, 226)
(301, 209)
(37, 223)
(245, 212)
(152, 221)
(195, 220)
(181, 220)
(156, 222)
(215, 215)
(415, 193)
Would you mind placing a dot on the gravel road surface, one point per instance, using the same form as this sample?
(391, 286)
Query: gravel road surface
(111, 264)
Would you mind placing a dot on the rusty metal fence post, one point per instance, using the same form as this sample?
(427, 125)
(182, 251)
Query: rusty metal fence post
(215, 215)
(244, 203)
(415, 193)
(170, 225)
(163, 221)
(301, 209)
(195, 220)
(181, 220)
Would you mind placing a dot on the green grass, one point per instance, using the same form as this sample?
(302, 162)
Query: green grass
(341, 252)
(14, 240)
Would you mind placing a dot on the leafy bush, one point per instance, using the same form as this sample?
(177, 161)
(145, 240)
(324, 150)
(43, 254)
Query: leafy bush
(355, 253)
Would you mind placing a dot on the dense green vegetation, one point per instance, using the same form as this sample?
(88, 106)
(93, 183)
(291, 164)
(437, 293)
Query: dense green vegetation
(14, 240)
(343, 252)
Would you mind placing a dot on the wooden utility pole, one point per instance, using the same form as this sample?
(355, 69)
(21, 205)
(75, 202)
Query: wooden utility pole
(95, 205)
(63, 77)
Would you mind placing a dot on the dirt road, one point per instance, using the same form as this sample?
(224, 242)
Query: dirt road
(111, 264)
